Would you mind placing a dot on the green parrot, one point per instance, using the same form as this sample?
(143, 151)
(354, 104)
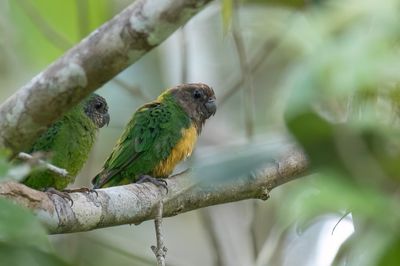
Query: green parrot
(160, 135)
(68, 141)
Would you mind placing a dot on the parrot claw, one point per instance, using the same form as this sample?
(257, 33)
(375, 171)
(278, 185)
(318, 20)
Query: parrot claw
(62, 194)
(82, 190)
(156, 181)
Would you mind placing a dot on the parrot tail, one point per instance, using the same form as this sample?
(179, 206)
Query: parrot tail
(96, 181)
(100, 180)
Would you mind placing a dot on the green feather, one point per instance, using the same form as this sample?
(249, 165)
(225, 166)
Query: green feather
(149, 138)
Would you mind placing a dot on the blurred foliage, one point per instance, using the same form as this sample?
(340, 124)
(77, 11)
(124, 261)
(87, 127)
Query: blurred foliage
(54, 26)
(23, 241)
(12, 170)
(343, 111)
(329, 76)
(226, 12)
(4, 163)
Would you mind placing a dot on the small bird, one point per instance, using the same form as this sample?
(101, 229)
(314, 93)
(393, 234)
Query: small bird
(68, 141)
(160, 135)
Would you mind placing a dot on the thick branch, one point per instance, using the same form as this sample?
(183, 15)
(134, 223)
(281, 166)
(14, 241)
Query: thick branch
(133, 204)
(87, 66)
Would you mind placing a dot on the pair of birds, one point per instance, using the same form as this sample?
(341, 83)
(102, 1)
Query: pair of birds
(160, 135)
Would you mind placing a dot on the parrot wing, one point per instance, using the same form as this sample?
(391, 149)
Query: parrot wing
(139, 136)
(46, 141)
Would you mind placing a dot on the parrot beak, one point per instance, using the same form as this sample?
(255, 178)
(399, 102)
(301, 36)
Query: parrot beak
(104, 120)
(211, 106)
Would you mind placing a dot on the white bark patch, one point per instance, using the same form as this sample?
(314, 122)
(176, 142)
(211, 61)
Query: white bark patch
(165, 29)
(38, 78)
(121, 201)
(112, 40)
(49, 220)
(15, 111)
(93, 211)
(73, 75)
(150, 16)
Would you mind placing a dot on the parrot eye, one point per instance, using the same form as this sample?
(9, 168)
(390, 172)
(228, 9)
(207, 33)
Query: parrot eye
(98, 105)
(197, 94)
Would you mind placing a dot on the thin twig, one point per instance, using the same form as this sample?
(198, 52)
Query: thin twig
(246, 73)
(110, 247)
(135, 91)
(255, 64)
(185, 61)
(338, 222)
(160, 250)
(43, 26)
(27, 157)
(207, 222)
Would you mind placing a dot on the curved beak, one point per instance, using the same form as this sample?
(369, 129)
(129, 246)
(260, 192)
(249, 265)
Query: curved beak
(211, 107)
(105, 120)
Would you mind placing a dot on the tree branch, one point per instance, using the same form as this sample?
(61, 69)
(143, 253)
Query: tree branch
(135, 203)
(90, 64)
(246, 74)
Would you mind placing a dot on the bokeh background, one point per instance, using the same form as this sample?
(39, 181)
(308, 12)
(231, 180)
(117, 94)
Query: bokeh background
(323, 74)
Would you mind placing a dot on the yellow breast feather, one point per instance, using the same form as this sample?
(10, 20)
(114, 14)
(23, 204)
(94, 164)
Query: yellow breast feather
(181, 151)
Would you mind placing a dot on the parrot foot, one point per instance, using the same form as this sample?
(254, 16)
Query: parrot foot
(156, 181)
(62, 194)
(82, 190)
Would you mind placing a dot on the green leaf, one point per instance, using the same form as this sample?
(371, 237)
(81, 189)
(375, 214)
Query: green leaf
(23, 240)
(48, 28)
(19, 226)
(317, 137)
(226, 12)
(4, 164)
(12, 171)
(21, 255)
(391, 256)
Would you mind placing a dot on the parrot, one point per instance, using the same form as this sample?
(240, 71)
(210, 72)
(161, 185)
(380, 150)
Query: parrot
(159, 135)
(68, 141)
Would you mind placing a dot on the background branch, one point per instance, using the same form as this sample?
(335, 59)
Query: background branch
(95, 60)
(236, 84)
(246, 75)
(82, 9)
(133, 204)
(134, 90)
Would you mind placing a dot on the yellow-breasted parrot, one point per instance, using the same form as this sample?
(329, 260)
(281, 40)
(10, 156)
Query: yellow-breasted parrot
(160, 135)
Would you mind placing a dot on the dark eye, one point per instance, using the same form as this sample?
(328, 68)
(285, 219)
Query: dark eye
(98, 105)
(197, 94)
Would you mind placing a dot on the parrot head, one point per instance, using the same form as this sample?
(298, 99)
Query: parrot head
(96, 109)
(197, 100)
